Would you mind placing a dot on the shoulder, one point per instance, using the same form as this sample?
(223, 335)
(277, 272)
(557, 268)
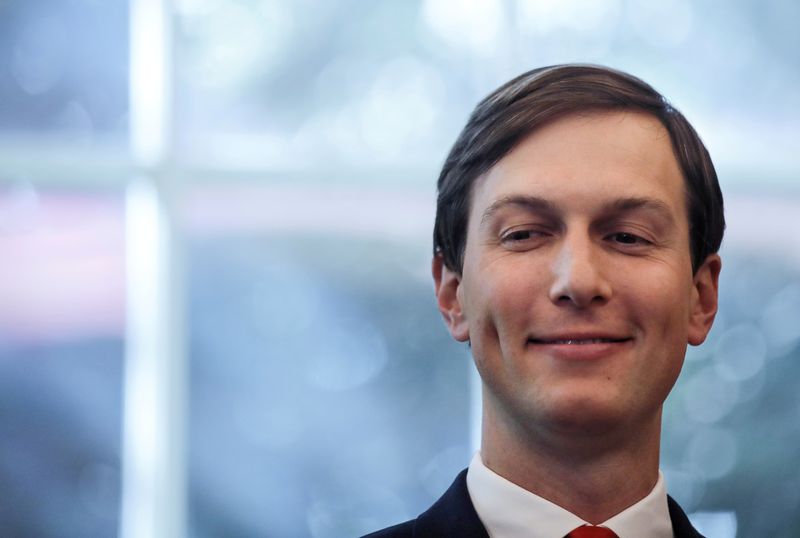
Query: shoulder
(452, 515)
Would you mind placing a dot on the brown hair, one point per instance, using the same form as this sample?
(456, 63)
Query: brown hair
(513, 111)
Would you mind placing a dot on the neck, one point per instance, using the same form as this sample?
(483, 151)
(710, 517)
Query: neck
(593, 475)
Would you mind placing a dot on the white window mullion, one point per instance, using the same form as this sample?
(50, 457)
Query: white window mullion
(154, 470)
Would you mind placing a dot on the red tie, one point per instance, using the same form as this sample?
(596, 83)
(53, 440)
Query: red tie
(590, 531)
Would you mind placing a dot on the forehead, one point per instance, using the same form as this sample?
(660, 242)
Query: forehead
(587, 160)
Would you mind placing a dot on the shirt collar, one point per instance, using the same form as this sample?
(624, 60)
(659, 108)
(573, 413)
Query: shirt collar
(509, 511)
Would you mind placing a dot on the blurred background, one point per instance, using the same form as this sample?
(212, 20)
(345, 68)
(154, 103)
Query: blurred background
(220, 212)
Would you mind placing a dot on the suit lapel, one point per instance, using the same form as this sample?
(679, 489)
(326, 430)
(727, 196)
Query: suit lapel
(681, 526)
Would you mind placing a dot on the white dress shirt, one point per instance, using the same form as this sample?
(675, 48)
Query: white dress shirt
(509, 511)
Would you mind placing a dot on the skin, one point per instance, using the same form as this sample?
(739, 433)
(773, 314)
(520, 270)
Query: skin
(578, 299)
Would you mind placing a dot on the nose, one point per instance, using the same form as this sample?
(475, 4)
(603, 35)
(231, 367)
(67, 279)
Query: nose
(578, 274)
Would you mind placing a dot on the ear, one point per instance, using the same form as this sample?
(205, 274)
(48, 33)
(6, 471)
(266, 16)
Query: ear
(446, 286)
(704, 299)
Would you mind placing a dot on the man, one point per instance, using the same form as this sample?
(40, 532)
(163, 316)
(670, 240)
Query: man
(578, 223)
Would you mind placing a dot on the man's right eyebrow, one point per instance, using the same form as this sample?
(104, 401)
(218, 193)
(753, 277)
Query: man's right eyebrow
(529, 203)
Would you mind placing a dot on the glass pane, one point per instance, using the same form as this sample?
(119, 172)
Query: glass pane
(64, 69)
(321, 371)
(299, 84)
(61, 355)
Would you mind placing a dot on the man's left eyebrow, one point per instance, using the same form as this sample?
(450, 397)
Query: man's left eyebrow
(531, 203)
(627, 205)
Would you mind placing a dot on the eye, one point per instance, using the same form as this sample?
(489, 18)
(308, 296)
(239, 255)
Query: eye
(519, 235)
(522, 238)
(625, 238)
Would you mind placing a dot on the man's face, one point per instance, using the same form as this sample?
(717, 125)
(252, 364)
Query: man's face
(577, 293)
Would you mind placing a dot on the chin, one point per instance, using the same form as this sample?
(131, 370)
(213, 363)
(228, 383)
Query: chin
(595, 424)
(581, 416)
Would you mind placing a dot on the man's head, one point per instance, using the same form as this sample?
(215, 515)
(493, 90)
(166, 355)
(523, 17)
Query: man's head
(523, 105)
(578, 222)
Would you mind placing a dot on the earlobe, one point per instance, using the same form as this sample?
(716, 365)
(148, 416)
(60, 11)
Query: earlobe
(705, 302)
(446, 287)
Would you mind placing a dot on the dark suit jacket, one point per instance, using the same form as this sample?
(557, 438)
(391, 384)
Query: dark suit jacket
(454, 515)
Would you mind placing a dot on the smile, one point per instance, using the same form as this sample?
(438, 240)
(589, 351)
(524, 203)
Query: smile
(580, 347)
(578, 341)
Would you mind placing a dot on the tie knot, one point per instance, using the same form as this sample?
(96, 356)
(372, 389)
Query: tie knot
(591, 531)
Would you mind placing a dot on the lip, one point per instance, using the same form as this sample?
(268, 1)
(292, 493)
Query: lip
(580, 346)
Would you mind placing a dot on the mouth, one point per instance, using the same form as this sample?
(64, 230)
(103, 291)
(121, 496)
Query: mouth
(576, 341)
(580, 347)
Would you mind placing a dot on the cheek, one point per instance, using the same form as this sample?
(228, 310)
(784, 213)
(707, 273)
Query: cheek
(508, 297)
(501, 318)
(662, 295)
(661, 306)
